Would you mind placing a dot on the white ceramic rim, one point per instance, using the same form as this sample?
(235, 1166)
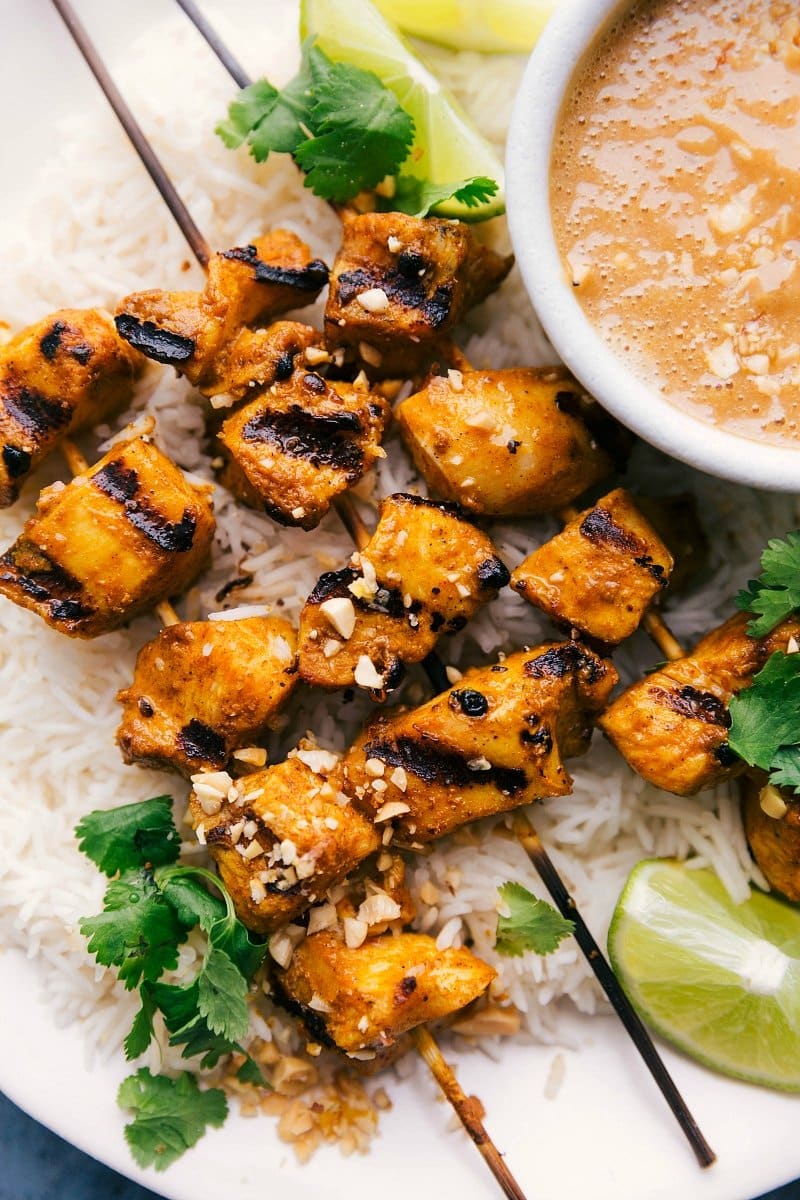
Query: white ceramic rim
(569, 34)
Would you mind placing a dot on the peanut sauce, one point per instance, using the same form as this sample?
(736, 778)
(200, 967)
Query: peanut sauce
(675, 188)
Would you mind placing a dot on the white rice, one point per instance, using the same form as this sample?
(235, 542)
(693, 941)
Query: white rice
(96, 229)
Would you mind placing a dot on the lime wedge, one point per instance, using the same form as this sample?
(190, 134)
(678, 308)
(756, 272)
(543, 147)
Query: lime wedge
(720, 980)
(447, 146)
(503, 26)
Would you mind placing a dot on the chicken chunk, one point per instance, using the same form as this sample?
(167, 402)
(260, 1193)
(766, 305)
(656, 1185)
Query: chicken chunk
(257, 358)
(491, 743)
(280, 837)
(774, 840)
(67, 372)
(503, 443)
(194, 331)
(362, 1000)
(601, 573)
(111, 543)
(425, 571)
(301, 443)
(672, 726)
(400, 284)
(204, 689)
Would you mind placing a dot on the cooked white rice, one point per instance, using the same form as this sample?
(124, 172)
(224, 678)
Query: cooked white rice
(96, 229)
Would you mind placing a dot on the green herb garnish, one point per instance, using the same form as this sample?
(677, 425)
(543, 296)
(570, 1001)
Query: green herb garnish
(148, 910)
(532, 924)
(765, 720)
(420, 198)
(776, 592)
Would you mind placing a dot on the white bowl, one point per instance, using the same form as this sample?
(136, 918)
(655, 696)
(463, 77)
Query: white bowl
(570, 33)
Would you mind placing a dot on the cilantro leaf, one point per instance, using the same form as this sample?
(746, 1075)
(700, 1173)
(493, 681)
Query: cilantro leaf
(196, 906)
(776, 592)
(138, 931)
(171, 1115)
(532, 924)
(133, 835)
(345, 129)
(419, 198)
(766, 715)
(179, 1006)
(786, 768)
(221, 996)
(192, 903)
(141, 1031)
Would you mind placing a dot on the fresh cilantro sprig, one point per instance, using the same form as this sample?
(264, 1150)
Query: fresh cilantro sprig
(776, 592)
(531, 924)
(150, 906)
(344, 129)
(765, 720)
(171, 1115)
(419, 198)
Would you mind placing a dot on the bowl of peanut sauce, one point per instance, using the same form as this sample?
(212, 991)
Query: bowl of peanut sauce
(654, 204)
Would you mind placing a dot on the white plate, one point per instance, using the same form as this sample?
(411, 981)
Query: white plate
(606, 1136)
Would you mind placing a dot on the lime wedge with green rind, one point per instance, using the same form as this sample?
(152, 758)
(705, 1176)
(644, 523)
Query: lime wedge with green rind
(447, 146)
(719, 980)
(499, 27)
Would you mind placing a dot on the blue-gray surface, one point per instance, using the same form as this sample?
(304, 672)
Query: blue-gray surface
(39, 1166)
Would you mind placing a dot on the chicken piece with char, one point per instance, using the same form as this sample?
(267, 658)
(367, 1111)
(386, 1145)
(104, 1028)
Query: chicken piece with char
(195, 331)
(280, 837)
(362, 1000)
(425, 571)
(601, 573)
(203, 689)
(63, 374)
(110, 544)
(494, 741)
(774, 838)
(301, 443)
(672, 726)
(257, 358)
(503, 443)
(400, 284)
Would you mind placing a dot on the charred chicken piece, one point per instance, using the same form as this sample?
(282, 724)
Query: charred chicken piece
(491, 743)
(672, 726)
(362, 1000)
(257, 358)
(193, 331)
(503, 443)
(67, 372)
(111, 543)
(203, 689)
(774, 840)
(400, 284)
(601, 573)
(301, 443)
(425, 571)
(280, 837)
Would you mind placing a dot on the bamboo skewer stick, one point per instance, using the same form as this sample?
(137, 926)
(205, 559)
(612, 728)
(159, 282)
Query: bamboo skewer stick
(526, 833)
(464, 1106)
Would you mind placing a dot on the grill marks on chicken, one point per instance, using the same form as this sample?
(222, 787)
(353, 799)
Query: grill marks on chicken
(68, 371)
(503, 443)
(425, 571)
(303, 442)
(491, 743)
(196, 332)
(362, 1000)
(671, 727)
(203, 689)
(111, 543)
(601, 573)
(400, 284)
(281, 837)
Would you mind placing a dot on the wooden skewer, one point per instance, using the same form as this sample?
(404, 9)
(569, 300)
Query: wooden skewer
(75, 460)
(527, 835)
(465, 1107)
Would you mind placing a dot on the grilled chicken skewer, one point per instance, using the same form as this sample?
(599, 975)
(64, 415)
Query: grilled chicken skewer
(466, 1114)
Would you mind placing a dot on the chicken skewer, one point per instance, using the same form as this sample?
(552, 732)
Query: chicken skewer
(467, 1114)
(586, 941)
